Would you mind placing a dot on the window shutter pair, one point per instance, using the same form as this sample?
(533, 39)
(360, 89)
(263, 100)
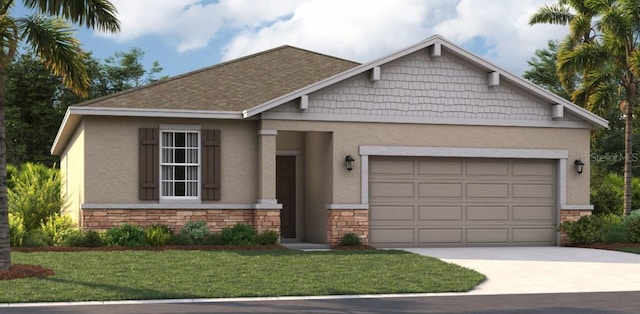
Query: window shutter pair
(149, 164)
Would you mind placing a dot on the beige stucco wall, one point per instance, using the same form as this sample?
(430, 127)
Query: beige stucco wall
(318, 185)
(72, 173)
(347, 137)
(111, 145)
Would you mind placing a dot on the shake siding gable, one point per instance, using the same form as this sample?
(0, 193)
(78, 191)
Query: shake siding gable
(149, 164)
(210, 165)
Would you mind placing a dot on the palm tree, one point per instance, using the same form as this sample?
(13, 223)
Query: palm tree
(602, 50)
(49, 35)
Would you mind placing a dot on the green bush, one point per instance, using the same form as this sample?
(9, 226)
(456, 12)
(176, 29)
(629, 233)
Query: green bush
(16, 229)
(125, 235)
(158, 235)
(268, 237)
(196, 230)
(180, 239)
(607, 197)
(239, 234)
(35, 238)
(632, 224)
(213, 239)
(34, 194)
(93, 239)
(590, 229)
(350, 239)
(617, 234)
(74, 238)
(57, 227)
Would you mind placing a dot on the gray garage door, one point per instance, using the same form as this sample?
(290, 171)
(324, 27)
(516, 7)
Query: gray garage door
(461, 202)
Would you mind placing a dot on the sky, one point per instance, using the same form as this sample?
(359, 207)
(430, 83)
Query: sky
(186, 35)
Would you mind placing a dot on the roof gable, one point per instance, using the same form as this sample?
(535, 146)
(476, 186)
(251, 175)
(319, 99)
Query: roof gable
(419, 88)
(438, 47)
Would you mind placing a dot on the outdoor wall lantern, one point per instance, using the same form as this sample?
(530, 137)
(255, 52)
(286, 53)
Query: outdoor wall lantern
(579, 164)
(348, 162)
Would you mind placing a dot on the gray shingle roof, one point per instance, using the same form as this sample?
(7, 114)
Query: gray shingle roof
(235, 85)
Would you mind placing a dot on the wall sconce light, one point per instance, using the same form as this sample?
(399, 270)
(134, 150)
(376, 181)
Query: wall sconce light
(348, 162)
(579, 164)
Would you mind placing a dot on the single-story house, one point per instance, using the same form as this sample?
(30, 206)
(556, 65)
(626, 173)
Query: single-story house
(428, 146)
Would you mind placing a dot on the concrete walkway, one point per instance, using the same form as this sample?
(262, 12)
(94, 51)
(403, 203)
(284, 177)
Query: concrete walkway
(545, 269)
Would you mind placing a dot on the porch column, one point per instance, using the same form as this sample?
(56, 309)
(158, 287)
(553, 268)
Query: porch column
(267, 166)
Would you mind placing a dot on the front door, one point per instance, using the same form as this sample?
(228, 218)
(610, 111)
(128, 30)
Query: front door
(286, 194)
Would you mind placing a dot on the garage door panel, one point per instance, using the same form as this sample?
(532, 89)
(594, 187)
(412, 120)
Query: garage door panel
(392, 189)
(487, 235)
(392, 213)
(543, 213)
(392, 166)
(430, 213)
(487, 168)
(440, 236)
(440, 168)
(490, 213)
(440, 190)
(487, 190)
(542, 191)
(533, 235)
(462, 202)
(533, 169)
(393, 236)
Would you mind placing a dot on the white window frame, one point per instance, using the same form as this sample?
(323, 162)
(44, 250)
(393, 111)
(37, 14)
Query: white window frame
(180, 129)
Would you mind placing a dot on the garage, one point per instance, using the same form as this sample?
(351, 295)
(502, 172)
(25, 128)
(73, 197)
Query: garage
(439, 201)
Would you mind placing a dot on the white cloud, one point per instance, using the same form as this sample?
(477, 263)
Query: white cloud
(359, 30)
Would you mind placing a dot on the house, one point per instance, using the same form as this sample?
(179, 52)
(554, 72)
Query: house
(428, 146)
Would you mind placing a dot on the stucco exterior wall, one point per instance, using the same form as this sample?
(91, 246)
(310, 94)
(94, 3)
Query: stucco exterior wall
(111, 148)
(72, 172)
(348, 136)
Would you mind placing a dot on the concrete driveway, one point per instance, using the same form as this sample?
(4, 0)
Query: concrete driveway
(544, 269)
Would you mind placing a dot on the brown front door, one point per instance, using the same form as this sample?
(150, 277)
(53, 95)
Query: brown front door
(286, 194)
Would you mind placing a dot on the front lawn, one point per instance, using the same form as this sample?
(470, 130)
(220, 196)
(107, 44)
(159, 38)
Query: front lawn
(130, 275)
(635, 250)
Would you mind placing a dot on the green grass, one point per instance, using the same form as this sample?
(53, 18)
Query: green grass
(630, 250)
(130, 275)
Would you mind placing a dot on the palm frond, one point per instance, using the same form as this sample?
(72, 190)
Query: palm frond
(53, 41)
(8, 41)
(634, 62)
(552, 14)
(95, 14)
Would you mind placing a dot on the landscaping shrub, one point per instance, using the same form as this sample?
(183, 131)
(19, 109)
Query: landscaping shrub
(158, 235)
(73, 238)
(268, 237)
(196, 230)
(16, 229)
(608, 196)
(632, 224)
(589, 229)
(180, 239)
(239, 234)
(57, 227)
(213, 239)
(125, 235)
(35, 238)
(617, 234)
(93, 239)
(34, 194)
(350, 239)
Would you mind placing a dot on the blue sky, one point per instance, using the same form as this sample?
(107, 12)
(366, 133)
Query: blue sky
(185, 35)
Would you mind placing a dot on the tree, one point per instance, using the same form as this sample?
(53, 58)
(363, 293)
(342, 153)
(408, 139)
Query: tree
(543, 70)
(48, 34)
(36, 99)
(602, 49)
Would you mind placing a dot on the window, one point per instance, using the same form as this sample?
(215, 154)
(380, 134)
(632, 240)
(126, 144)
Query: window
(179, 164)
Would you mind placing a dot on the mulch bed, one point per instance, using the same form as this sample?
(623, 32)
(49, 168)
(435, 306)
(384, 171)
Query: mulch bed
(18, 271)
